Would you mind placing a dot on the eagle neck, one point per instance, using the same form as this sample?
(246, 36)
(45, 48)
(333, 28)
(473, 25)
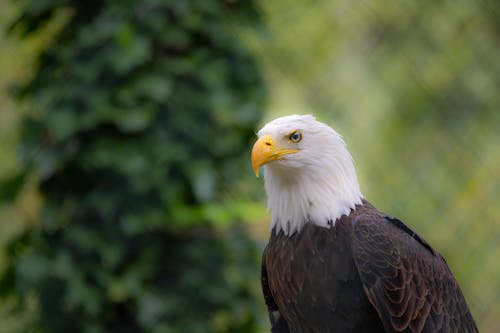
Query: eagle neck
(320, 195)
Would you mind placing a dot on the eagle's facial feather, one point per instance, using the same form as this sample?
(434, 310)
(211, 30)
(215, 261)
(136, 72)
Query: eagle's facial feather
(309, 174)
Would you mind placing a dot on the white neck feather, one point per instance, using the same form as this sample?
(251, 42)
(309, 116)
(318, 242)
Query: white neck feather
(316, 193)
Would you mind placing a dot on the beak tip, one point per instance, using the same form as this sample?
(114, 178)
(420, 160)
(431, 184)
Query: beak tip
(256, 171)
(262, 153)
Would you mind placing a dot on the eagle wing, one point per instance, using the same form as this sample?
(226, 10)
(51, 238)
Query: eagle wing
(408, 282)
(278, 323)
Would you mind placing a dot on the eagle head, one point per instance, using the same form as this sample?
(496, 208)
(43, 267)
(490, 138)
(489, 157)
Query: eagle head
(308, 172)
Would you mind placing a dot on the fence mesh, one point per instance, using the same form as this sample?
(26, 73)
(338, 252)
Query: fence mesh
(413, 88)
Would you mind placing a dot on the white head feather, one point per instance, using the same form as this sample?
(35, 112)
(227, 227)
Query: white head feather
(318, 184)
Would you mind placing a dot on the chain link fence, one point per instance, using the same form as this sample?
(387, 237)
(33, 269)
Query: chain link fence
(413, 88)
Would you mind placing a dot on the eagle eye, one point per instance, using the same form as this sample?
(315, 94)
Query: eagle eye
(295, 136)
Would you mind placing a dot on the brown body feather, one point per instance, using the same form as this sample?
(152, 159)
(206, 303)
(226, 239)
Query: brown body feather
(368, 273)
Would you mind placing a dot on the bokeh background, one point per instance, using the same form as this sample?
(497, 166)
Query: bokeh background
(128, 202)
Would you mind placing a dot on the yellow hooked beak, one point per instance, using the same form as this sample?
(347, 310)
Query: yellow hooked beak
(265, 151)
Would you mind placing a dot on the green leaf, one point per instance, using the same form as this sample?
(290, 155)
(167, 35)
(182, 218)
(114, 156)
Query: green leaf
(11, 186)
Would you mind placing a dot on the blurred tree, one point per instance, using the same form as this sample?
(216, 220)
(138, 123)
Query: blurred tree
(142, 113)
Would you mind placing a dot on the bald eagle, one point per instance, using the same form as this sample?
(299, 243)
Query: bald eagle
(334, 263)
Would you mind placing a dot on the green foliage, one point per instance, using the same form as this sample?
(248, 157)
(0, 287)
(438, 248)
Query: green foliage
(142, 112)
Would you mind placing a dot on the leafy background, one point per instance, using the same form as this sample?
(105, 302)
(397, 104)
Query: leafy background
(125, 130)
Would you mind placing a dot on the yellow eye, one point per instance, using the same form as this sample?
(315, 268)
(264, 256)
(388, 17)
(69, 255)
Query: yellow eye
(295, 137)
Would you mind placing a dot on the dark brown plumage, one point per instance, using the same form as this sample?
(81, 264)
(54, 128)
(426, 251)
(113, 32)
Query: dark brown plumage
(368, 273)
